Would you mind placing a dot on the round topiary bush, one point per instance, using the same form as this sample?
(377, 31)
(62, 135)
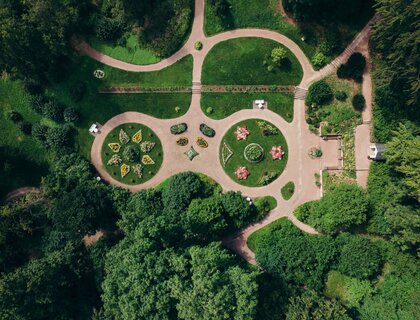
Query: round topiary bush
(198, 45)
(358, 102)
(354, 67)
(340, 95)
(209, 110)
(319, 93)
(254, 153)
(131, 153)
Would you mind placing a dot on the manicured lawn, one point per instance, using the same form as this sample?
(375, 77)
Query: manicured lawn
(149, 170)
(101, 107)
(241, 61)
(253, 239)
(266, 165)
(131, 52)
(178, 74)
(288, 190)
(225, 104)
(265, 14)
(27, 161)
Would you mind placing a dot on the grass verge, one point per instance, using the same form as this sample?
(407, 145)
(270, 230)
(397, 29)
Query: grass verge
(131, 52)
(225, 104)
(245, 61)
(288, 190)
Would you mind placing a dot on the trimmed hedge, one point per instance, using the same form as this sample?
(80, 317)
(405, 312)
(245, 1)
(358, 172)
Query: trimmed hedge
(319, 93)
(207, 131)
(179, 128)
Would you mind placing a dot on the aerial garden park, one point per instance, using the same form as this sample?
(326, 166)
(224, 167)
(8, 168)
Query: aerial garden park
(158, 156)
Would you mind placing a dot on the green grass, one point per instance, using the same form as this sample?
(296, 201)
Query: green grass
(340, 115)
(225, 104)
(132, 52)
(265, 14)
(238, 159)
(241, 61)
(255, 237)
(100, 107)
(178, 74)
(149, 171)
(26, 159)
(288, 190)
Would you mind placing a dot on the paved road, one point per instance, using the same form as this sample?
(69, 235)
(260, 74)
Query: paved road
(300, 167)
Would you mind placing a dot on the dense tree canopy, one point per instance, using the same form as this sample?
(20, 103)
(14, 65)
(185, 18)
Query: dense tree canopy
(396, 38)
(340, 209)
(294, 256)
(359, 257)
(33, 46)
(341, 10)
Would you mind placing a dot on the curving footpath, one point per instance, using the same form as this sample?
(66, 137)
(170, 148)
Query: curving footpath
(300, 167)
(18, 193)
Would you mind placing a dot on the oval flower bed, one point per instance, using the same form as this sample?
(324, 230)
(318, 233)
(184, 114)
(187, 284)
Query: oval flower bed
(246, 148)
(132, 153)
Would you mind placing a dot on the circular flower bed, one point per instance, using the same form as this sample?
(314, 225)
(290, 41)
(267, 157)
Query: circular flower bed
(254, 153)
(132, 153)
(247, 156)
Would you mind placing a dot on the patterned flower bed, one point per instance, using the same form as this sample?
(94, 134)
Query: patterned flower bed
(132, 153)
(247, 156)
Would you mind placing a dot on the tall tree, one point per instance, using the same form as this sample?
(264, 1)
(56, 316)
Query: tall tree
(35, 35)
(403, 154)
(397, 37)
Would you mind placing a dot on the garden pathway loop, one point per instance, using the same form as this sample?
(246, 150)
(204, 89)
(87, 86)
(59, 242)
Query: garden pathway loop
(300, 167)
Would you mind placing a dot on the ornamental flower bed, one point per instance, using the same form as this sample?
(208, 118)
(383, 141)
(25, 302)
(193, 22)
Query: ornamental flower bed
(227, 153)
(179, 128)
(147, 160)
(241, 133)
(137, 137)
(125, 169)
(277, 152)
(245, 157)
(242, 173)
(183, 141)
(131, 153)
(202, 143)
(267, 129)
(115, 160)
(254, 153)
(147, 146)
(114, 147)
(207, 131)
(138, 170)
(123, 136)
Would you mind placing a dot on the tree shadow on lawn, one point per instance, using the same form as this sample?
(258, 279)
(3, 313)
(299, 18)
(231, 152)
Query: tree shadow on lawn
(17, 170)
